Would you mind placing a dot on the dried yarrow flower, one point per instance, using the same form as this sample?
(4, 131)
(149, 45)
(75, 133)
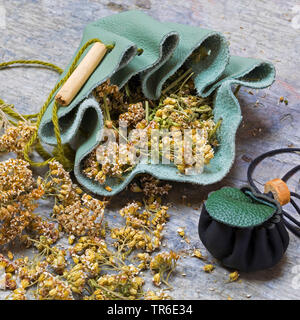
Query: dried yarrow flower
(76, 278)
(52, 288)
(234, 276)
(43, 227)
(197, 253)
(18, 294)
(6, 270)
(156, 279)
(108, 89)
(144, 259)
(110, 99)
(163, 264)
(143, 228)
(30, 271)
(160, 295)
(16, 137)
(124, 285)
(114, 160)
(82, 217)
(90, 255)
(150, 186)
(57, 260)
(18, 198)
(178, 109)
(135, 114)
(208, 268)
(78, 214)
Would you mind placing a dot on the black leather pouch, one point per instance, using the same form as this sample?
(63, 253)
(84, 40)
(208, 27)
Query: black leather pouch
(242, 229)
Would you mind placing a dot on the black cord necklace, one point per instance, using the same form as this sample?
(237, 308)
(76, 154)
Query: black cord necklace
(291, 223)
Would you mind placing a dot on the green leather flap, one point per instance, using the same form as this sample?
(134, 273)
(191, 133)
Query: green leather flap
(233, 207)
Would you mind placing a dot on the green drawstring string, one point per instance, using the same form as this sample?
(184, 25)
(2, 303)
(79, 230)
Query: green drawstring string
(62, 153)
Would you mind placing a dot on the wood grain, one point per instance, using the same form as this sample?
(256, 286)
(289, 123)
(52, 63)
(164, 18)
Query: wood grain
(51, 30)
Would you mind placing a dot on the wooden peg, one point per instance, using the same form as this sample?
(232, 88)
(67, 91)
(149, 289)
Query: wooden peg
(81, 74)
(280, 191)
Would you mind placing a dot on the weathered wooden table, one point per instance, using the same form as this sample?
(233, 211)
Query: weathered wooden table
(51, 30)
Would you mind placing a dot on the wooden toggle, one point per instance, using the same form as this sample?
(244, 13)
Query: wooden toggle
(279, 190)
(81, 74)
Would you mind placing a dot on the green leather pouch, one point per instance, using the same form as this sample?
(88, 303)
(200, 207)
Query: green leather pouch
(166, 47)
(243, 229)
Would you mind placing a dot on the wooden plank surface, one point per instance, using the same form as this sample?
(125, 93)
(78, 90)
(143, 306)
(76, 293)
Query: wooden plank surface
(51, 30)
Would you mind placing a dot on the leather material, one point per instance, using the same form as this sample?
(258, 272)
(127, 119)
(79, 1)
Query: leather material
(233, 207)
(250, 248)
(167, 46)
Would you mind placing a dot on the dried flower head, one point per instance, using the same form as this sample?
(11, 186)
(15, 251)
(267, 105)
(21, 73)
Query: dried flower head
(52, 288)
(208, 268)
(163, 264)
(160, 295)
(16, 137)
(178, 109)
(18, 198)
(234, 276)
(78, 214)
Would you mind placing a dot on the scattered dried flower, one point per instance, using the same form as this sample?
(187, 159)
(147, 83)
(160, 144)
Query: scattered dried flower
(208, 268)
(164, 264)
(197, 253)
(233, 276)
(181, 232)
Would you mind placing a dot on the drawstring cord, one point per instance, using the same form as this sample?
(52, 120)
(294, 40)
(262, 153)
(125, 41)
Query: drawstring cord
(294, 227)
(62, 153)
(37, 62)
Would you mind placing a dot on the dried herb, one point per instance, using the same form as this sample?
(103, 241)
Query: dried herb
(178, 109)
